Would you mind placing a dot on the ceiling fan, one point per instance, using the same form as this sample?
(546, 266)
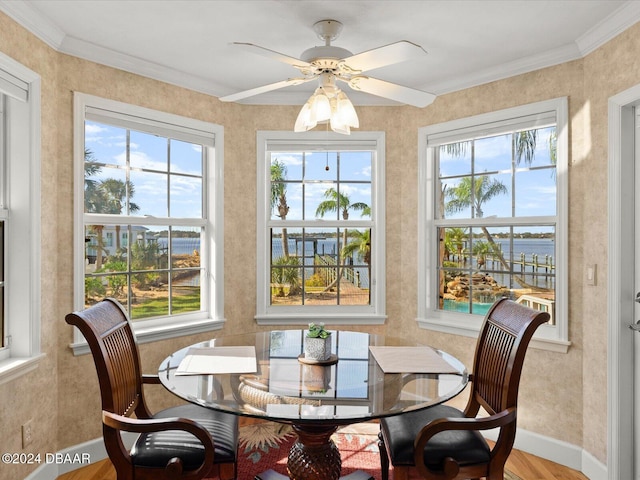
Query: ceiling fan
(329, 64)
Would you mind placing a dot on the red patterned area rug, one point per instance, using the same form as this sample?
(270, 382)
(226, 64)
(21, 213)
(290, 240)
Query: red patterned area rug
(264, 446)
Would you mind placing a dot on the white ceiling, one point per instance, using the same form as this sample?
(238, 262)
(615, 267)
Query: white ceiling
(187, 43)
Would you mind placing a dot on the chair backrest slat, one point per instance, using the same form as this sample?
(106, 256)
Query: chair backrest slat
(120, 349)
(504, 337)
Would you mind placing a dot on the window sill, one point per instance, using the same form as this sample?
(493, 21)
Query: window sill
(473, 329)
(305, 319)
(157, 333)
(12, 368)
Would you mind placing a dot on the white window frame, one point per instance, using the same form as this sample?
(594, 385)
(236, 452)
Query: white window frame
(548, 337)
(212, 315)
(20, 211)
(373, 314)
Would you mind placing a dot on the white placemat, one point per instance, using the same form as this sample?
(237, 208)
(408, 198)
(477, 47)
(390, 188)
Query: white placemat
(410, 360)
(213, 360)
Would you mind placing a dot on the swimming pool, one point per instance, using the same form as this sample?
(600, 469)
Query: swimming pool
(478, 308)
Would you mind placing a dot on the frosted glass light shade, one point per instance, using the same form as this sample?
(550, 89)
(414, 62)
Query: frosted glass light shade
(346, 111)
(331, 105)
(304, 121)
(321, 107)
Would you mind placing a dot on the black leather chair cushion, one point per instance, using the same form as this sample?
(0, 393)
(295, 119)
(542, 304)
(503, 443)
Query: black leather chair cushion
(156, 449)
(400, 431)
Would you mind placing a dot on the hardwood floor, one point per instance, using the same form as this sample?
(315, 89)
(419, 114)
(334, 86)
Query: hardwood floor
(530, 467)
(526, 466)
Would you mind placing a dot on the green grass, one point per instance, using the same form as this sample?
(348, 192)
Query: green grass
(158, 307)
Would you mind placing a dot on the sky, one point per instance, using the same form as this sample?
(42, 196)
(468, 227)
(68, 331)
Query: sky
(308, 181)
(166, 179)
(534, 185)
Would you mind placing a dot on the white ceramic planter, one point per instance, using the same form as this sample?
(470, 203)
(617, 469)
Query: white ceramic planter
(317, 348)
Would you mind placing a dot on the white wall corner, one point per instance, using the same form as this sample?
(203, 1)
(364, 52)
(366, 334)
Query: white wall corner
(592, 468)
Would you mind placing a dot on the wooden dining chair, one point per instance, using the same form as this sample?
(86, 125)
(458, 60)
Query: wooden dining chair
(444, 443)
(187, 442)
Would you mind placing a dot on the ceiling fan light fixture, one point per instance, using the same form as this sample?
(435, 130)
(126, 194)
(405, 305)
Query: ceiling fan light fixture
(329, 63)
(346, 110)
(330, 105)
(340, 128)
(320, 106)
(304, 121)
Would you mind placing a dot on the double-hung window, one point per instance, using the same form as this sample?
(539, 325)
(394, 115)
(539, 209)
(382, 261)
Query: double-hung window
(19, 219)
(148, 202)
(493, 218)
(320, 228)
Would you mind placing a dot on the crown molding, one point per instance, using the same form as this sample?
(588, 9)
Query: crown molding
(557, 56)
(610, 27)
(128, 63)
(34, 21)
(43, 28)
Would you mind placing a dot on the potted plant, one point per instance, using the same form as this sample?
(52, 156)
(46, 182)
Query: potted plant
(317, 343)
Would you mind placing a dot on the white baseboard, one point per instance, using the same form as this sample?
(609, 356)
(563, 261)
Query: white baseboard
(593, 468)
(559, 452)
(546, 447)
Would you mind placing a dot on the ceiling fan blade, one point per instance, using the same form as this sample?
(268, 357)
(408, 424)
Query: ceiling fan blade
(263, 89)
(386, 55)
(272, 54)
(393, 91)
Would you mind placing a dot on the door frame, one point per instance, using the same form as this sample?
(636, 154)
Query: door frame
(620, 292)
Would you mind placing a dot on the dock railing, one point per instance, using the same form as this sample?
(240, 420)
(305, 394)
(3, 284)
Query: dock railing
(538, 303)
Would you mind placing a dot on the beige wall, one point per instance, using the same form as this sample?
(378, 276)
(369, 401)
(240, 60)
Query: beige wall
(562, 395)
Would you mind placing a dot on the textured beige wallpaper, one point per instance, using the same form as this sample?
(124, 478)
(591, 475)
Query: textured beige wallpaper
(34, 395)
(562, 395)
(611, 69)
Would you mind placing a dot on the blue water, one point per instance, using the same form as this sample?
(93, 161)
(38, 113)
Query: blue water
(180, 246)
(478, 308)
(528, 246)
(525, 248)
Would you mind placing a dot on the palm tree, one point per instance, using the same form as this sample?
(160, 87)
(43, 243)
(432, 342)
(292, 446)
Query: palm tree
(341, 204)
(279, 198)
(524, 143)
(115, 193)
(93, 199)
(455, 238)
(468, 195)
(473, 192)
(106, 196)
(481, 250)
(361, 243)
(285, 271)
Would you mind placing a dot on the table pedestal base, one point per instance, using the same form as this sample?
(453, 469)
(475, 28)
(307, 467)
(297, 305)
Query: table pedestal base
(314, 456)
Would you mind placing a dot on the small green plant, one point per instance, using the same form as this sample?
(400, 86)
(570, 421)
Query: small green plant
(315, 280)
(317, 331)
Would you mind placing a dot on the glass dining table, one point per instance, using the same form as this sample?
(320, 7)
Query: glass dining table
(358, 384)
